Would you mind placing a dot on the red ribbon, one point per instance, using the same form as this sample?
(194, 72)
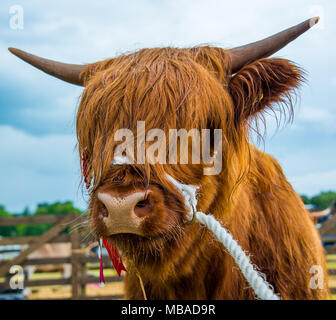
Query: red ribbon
(111, 249)
(114, 256)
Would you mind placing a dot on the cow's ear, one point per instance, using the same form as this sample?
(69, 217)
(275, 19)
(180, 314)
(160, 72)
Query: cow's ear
(262, 83)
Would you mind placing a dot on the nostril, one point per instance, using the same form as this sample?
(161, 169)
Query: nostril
(103, 212)
(143, 207)
(143, 203)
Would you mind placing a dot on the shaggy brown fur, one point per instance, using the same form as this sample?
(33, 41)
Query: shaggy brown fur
(193, 88)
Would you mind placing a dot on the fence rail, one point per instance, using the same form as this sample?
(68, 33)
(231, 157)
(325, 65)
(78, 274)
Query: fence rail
(42, 219)
(31, 239)
(43, 261)
(77, 259)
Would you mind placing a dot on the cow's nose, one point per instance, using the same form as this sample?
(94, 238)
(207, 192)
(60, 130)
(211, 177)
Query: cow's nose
(126, 212)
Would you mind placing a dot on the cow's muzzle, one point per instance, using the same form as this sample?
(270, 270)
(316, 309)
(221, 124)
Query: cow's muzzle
(125, 213)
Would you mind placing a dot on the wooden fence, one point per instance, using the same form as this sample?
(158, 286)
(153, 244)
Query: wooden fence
(78, 259)
(328, 236)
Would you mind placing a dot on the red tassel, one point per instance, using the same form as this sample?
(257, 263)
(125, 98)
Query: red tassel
(114, 256)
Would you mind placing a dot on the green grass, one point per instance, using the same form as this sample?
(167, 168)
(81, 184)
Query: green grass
(107, 272)
(331, 265)
(331, 261)
(56, 275)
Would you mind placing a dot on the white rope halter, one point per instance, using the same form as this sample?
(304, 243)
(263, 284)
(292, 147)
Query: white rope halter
(255, 278)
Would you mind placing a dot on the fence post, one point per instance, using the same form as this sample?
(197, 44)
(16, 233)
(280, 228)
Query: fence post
(83, 276)
(75, 262)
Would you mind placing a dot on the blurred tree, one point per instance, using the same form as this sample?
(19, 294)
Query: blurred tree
(57, 208)
(6, 231)
(26, 212)
(305, 199)
(323, 200)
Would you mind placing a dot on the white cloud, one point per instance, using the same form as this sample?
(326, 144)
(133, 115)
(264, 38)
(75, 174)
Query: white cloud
(313, 183)
(37, 169)
(316, 114)
(61, 111)
(315, 120)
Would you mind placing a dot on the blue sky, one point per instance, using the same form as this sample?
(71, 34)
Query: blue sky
(38, 159)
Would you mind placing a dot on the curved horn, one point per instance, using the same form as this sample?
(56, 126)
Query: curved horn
(64, 71)
(261, 49)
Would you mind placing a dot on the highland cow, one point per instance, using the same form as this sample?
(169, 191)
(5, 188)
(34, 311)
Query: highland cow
(141, 213)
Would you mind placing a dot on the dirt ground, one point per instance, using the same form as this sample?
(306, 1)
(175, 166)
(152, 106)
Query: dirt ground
(63, 292)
